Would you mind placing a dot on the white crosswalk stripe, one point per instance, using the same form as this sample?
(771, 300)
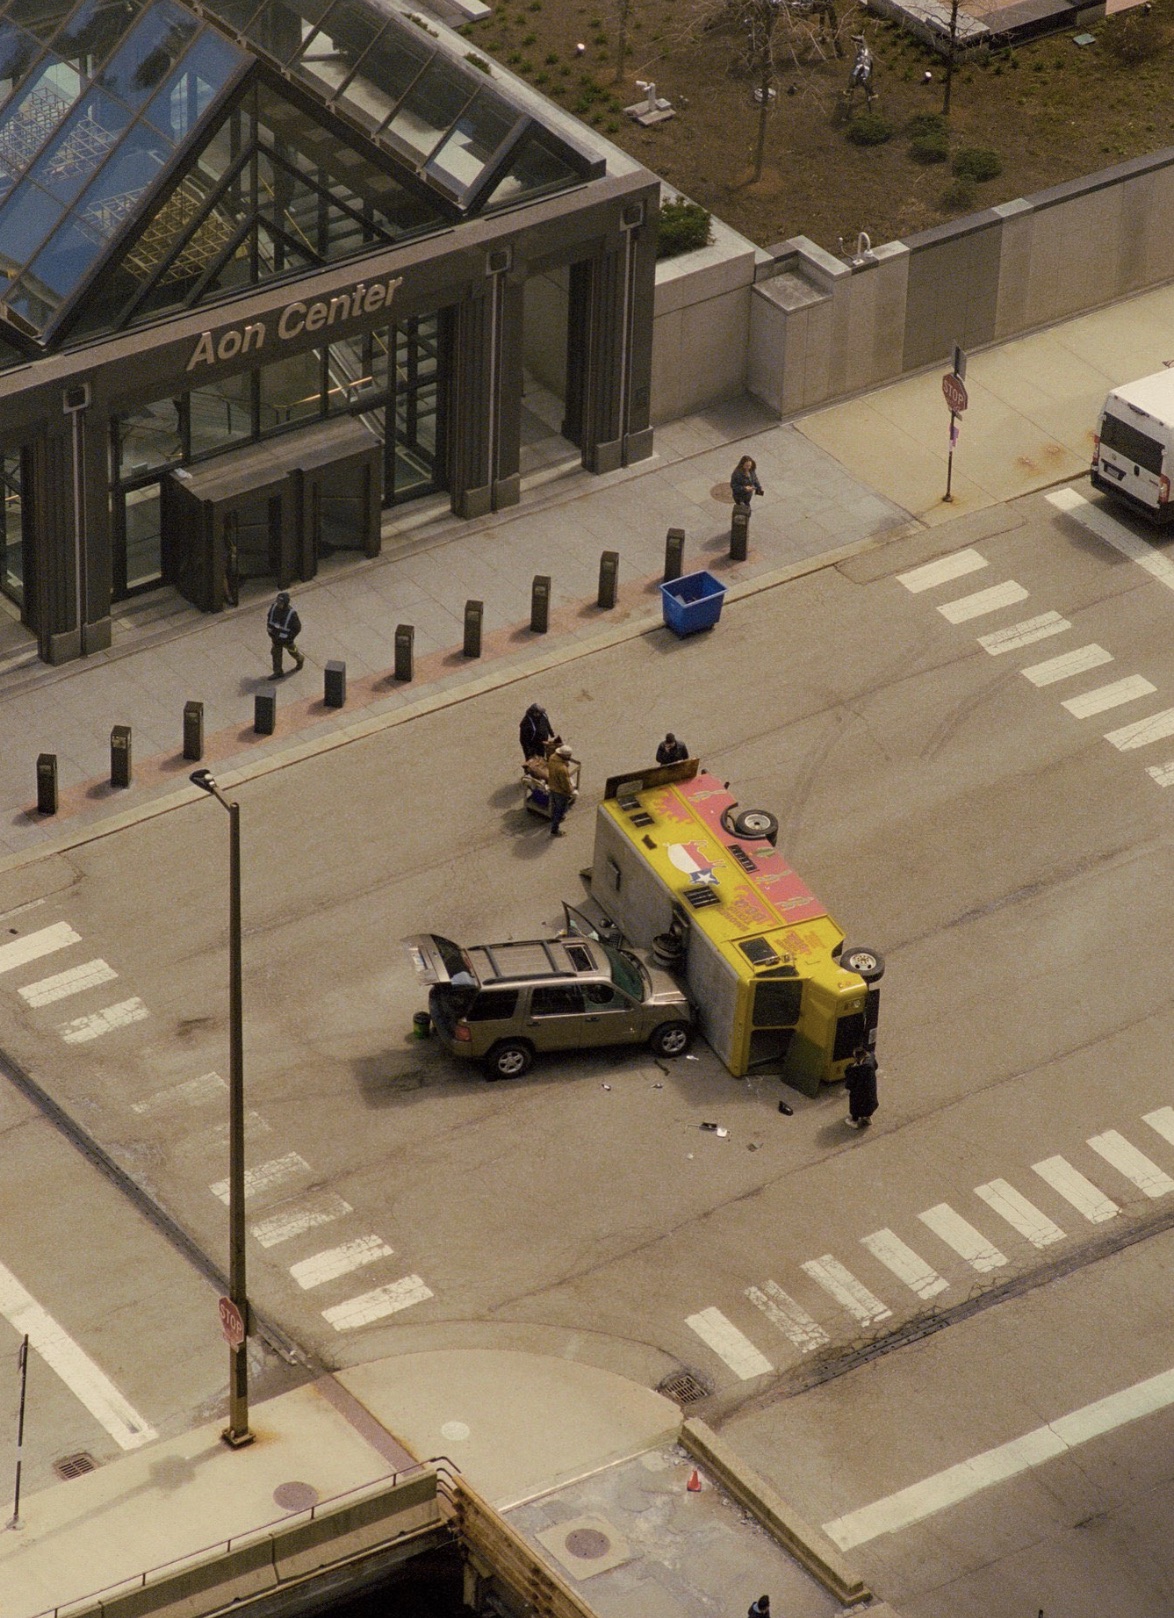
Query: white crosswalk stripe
(729, 1344)
(1131, 689)
(191, 1093)
(1020, 1214)
(1007, 594)
(843, 1286)
(941, 571)
(1074, 1188)
(62, 984)
(1142, 732)
(961, 1235)
(1016, 636)
(905, 1264)
(1134, 1165)
(1163, 774)
(336, 1261)
(1067, 666)
(297, 1221)
(46, 941)
(790, 1318)
(266, 1177)
(1162, 1121)
(377, 1305)
(83, 1029)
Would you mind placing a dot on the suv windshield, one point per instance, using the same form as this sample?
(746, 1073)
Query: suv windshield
(625, 973)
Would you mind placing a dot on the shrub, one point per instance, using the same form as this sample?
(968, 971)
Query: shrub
(1137, 37)
(957, 196)
(977, 164)
(930, 148)
(869, 129)
(926, 123)
(681, 227)
(476, 61)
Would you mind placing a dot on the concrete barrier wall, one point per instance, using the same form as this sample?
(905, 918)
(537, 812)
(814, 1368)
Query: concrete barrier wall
(701, 325)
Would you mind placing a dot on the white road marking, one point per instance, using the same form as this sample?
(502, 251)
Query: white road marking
(848, 1292)
(905, 1264)
(191, 1093)
(1020, 1214)
(1117, 535)
(1065, 667)
(266, 1177)
(971, 1477)
(87, 1381)
(30, 948)
(82, 1029)
(1133, 687)
(1163, 774)
(1007, 594)
(1163, 1121)
(63, 984)
(790, 1318)
(729, 1344)
(1074, 1188)
(1143, 731)
(941, 571)
(1023, 634)
(1134, 1165)
(961, 1235)
(336, 1261)
(369, 1306)
(283, 1227)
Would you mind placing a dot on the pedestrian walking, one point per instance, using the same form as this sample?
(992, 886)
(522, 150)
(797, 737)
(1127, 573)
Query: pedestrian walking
(284, 627)
(744, 481)
(860, 1079)
(671, 751)
(759, 1608)
(562, 792)
(535, 731)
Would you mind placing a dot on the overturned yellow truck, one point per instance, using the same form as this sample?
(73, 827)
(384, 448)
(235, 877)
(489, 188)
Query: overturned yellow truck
(682, 871)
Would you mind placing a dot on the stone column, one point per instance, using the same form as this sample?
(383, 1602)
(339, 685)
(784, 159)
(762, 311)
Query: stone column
(485, 394)
(71, 532)
(612, 309)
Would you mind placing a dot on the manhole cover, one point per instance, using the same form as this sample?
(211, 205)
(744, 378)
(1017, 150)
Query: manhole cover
(685, 1387)
(73, 1466)
(295, 1496)
(587, 1543)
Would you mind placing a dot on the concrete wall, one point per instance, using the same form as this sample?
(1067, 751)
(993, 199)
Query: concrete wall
(797, 326)
(544, 328)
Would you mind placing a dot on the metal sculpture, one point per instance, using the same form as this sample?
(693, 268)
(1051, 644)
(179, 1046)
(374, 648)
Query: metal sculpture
(860, 77)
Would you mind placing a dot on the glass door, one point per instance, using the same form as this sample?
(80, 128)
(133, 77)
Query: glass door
(12, 579)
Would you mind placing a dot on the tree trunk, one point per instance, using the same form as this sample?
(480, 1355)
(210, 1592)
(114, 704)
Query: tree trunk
(764, 90)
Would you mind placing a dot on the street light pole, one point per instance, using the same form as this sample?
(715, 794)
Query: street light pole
(237, 1433)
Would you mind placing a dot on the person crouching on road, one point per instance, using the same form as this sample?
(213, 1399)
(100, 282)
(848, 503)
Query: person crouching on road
(284, 627)
(671, 751)
(860, 1079)
(562, 793)
(744, 482)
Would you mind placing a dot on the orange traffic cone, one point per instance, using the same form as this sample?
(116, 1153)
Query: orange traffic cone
(694, 1483)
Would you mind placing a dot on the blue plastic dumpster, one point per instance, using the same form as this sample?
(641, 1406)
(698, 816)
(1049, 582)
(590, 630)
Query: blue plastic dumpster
(692, 602)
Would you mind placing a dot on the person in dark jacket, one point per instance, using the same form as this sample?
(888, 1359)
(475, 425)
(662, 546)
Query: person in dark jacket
(860, 1079)
(744, 481)
(562, 792)
(535, 731)
(759, 1608)
(284, 627)
(671, 751)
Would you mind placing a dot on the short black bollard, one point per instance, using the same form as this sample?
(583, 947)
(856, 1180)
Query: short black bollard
(334, 694)
(674, 554)
(120, 764)
(265, 711)
(609, 574)
(739, 533)
(474, 612)
(405, 638)
(47, 783)
(193, 730)
(540, 604)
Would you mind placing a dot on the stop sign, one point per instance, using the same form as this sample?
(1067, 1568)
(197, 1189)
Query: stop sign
(232, 1323)
(955, 392)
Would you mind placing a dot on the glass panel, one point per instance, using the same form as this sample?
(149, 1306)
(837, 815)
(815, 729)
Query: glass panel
(25, 220)
(434, 103)
(28, 302)
(39, 17)
(392, 65)
(30, 120)
(291, 390)
(148, 437)
(282, 27)
(11, 528)
(478, 134)
(69, 161)
(221, 413)
(65, 260)
(236, 13)
(111, 199)
(204, 71)
(154, 46)
(357, 371)
(17, 50)
(94, 29)
(532, 169)
(144, 530)
(346, 31)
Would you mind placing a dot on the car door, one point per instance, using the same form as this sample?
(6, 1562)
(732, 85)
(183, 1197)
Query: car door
(557, 1017)
(610, 1017)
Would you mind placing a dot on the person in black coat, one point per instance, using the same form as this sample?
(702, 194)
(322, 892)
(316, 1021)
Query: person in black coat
(535, 731)
(284, 627)
(759, 1608)
(671, 751)
(744, 481)
(860, 1079)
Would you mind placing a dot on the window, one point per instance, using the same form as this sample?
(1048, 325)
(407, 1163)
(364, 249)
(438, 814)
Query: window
(625, 973)
(1130, 442)
(494, 1005)
(777, 1002)
(601, 994)
(849, 1034)
(559, 1000)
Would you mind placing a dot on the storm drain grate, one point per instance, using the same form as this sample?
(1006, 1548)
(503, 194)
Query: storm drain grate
(73, 1466)
(685, 1387)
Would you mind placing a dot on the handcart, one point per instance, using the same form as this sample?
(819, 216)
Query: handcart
(535, 787)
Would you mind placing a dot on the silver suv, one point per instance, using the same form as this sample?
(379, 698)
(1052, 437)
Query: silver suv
(502, 1003)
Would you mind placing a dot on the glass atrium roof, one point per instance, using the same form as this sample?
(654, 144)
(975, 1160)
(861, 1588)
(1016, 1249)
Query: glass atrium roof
(111, 110)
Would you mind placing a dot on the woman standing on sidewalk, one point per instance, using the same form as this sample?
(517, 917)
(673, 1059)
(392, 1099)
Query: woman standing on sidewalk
(744, 481)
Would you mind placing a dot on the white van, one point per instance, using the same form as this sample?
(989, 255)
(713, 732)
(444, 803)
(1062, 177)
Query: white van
(1134, 448)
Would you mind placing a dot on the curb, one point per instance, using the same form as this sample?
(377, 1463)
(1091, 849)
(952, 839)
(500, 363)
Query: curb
(810, 1547)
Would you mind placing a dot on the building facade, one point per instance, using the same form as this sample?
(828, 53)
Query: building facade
(263, 273)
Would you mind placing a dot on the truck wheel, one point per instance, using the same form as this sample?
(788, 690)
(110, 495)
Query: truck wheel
(509, 1060)
(671, 1039)
(868, 964)
(757, 823)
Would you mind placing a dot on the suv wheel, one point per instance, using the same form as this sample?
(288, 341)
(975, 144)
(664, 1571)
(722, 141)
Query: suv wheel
(671, 1039)
(509, 1060)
